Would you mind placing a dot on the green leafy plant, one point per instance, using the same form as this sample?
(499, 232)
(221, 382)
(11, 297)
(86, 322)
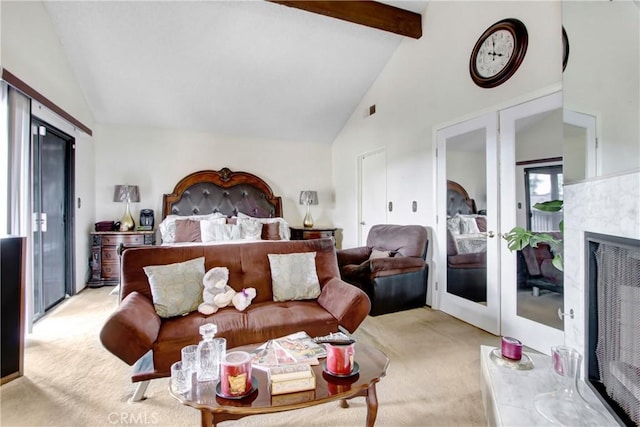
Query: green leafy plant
(519, 238)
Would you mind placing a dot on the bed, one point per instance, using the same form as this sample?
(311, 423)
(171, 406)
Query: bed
(466, 245)
(210, 206)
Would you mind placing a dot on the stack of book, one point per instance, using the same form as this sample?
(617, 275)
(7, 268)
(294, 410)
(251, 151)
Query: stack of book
(291, 378)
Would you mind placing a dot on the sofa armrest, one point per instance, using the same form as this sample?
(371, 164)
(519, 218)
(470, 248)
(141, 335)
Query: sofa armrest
(132, 329)
(397, 265)
(353, 255)
(347, 303)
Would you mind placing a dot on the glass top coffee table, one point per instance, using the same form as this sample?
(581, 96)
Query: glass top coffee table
(372, 364)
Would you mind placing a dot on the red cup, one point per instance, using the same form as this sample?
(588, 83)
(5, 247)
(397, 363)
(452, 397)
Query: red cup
(235, 374)
(340, 359)
(511, 348)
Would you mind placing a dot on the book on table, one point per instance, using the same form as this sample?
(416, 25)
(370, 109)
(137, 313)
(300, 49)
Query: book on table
(293, 385)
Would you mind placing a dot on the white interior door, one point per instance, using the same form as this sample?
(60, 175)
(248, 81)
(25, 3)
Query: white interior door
(468, 155)
(531, 326)
(373, 192)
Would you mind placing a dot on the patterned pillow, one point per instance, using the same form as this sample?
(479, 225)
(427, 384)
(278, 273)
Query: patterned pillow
(250, 229)
(168, 225)
(284, 231)
(214, 231)
(294, 276)
(176, 288)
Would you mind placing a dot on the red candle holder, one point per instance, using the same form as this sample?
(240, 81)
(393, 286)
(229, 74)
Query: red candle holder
(340, 358)
(511, 348)
(235, 374)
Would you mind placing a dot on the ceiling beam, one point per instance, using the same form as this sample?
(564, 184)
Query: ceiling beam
(369, 13)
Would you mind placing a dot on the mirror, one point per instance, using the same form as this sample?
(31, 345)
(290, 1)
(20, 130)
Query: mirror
(601, 80)
(539, 178)
(466, 222)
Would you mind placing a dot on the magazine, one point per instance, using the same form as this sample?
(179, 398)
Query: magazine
(291, 349)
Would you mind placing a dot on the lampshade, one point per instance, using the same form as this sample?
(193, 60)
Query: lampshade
(308, 197)
(126, 193)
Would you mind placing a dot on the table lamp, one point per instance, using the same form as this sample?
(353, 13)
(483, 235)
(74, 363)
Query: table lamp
(308, 198)
(128, 194)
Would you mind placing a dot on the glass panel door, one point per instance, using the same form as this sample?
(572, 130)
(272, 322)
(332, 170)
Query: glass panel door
(467, 220)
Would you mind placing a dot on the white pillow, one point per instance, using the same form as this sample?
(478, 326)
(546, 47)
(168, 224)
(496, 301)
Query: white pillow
(376, 253)
(453, 225)
(177, 288)
(285, 232)
(168, 225)
(250, 229)
(294, 276)
(211, 230)
(468, 224)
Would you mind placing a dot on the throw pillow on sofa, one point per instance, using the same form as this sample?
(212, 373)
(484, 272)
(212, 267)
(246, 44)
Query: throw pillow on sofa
(294, 276)
(176, 288)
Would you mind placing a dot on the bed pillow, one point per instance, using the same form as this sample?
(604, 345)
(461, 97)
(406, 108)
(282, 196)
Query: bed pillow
(176, 289)
(250, 229)
(271, 231)
(168, 225)
(214, 231)
(187, 230)
(284, 231)
(468, 224)
(294, 276)
(453, 225)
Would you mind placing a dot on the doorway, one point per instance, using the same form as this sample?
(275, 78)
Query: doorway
(52, 160)
(482, 154)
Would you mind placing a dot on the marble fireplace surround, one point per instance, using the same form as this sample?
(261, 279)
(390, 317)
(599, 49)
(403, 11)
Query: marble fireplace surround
(607, 205)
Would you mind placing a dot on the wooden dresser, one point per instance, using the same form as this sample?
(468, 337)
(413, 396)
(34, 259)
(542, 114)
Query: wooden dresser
(105, 257)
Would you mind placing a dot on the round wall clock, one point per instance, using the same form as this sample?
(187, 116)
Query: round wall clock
(498, 53)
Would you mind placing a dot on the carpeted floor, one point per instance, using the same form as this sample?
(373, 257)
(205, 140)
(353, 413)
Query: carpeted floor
(71, 380)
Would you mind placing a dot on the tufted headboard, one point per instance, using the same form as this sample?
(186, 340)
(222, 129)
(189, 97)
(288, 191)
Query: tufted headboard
(458, 200)
(224, 191)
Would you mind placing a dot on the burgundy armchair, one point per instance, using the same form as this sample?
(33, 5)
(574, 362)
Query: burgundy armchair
(391, 269)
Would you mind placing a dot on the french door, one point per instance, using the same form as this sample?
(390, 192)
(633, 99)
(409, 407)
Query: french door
(480, 154)
(468, 155)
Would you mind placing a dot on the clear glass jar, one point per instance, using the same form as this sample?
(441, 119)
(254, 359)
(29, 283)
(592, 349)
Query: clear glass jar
(208, 365)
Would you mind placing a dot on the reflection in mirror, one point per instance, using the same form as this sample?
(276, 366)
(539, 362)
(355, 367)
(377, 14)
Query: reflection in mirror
(539, 178)
(466, 216)
(601, 78)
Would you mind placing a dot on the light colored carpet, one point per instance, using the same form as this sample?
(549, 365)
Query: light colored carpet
(71, 380)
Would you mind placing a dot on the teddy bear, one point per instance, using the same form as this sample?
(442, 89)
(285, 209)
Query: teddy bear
(218, 294)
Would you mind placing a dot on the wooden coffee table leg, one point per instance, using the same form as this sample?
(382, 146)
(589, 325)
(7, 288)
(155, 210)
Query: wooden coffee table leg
(206, 418)
(372, 405)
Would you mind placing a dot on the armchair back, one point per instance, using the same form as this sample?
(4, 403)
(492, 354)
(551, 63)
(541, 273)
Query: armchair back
(406, 240)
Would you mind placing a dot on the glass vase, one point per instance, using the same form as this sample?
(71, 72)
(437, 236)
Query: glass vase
(565, 406)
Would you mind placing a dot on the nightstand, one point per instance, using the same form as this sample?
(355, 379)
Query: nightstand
(304, 233)
(105, 257)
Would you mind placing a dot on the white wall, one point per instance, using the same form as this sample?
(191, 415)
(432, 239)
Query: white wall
(602, 77)
(31, 51)
(426, 84)
(156, 159)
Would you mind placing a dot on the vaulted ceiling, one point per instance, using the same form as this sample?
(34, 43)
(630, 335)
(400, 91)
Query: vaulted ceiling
(249, 68)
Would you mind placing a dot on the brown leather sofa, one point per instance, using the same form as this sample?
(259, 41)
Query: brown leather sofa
(540, 272)
(395, 282)
(137, 335)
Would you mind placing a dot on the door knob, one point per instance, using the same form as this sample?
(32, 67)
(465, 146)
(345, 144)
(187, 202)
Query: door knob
(362, 223)
(491, 234)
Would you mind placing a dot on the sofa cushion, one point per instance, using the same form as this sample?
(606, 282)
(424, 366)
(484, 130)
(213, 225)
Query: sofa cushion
(176, 288)
(294, 276)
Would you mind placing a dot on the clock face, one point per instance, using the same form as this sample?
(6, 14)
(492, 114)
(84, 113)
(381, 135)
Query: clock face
(498, 53)
(495, 53)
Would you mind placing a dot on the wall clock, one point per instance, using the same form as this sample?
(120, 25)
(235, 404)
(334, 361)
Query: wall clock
(565, 49)
(498, 53)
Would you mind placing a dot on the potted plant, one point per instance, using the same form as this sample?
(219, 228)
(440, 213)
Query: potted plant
(518, 238)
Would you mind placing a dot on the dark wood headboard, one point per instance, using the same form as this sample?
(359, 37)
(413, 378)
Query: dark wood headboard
(224, 191)
(458, 201)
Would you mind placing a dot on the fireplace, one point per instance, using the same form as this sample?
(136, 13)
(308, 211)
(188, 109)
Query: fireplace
(612, 323)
